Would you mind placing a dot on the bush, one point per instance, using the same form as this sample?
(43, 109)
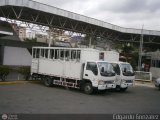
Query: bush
(25, 71)
(4, 71)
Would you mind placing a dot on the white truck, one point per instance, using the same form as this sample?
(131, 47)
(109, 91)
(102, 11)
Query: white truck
(124, 72)
(72, 67)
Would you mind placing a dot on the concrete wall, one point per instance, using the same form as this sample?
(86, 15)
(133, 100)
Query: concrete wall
(155, 70)
(16, 56)
(1, 55)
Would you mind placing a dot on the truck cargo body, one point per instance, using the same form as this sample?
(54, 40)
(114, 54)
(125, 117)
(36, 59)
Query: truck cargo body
(71, 70)
(78, 68)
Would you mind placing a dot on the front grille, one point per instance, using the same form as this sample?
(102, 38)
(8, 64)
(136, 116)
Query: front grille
(109, 82)
(128, 81)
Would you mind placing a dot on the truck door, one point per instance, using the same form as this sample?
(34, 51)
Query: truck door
(91, 71)
(118, 73)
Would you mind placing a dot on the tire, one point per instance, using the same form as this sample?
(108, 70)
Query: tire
(117, 88)
(123, 89)
(3, 77)
(87, 88)
(34, 76)
(48, 82)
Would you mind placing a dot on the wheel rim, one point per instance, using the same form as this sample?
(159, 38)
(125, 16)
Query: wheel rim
(47, 81)
(87, 88)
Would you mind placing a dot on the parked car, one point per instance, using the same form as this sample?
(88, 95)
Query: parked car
(157, 83)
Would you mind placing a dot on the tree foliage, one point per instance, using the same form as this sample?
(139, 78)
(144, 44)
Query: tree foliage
(87, 40)
(31, 39)
(25, 71)
(130, 52)
(4, 71)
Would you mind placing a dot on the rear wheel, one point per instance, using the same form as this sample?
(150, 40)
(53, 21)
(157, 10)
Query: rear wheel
(34, 76)
(48, 81)
(88, 89)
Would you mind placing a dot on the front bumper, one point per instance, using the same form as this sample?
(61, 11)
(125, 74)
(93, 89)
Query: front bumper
(106, 86)
(156, 84)
(124, 85)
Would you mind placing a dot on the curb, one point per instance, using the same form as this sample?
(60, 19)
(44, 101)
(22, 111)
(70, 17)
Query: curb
(144, 84)
(18, 82)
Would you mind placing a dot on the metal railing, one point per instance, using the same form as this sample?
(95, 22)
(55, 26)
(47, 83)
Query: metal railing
(143, 76)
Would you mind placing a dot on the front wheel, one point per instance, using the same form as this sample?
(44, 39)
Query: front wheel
(88, 89)
(123, 89)
(48, 81)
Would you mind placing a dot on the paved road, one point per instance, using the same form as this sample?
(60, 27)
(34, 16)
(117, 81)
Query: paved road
(36, 98)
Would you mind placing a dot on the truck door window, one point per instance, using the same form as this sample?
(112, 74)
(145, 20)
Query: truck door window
(116, 68)
(127, 69)
(92, 66)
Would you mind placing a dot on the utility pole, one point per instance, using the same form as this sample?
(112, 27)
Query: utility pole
(49, 41)
(140, 50)
(90, 41)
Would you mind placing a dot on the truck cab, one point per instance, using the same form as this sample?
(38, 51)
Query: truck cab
(100, 73)
(124, 75)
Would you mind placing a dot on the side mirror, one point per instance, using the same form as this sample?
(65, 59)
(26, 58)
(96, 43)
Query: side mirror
(95, 71)
(102, 69)
(125, 70)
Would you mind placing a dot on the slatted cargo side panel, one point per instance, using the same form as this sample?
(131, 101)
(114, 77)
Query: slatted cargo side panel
(50, 67)
(73, 70)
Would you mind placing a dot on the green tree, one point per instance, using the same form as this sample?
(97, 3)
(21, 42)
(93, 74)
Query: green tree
(87, 40)
(31, 40)
(4, 71)
(25, 71)
(129, 51)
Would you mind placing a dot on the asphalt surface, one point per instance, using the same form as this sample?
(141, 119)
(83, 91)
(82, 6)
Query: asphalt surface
(36, 98)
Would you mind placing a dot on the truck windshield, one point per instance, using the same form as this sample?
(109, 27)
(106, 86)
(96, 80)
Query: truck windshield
(106, 69)
(127, 69)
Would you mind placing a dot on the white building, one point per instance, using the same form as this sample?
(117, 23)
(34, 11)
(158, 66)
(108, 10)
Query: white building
(20, 31)
(41, 38)
(155, 64)
(58, 35)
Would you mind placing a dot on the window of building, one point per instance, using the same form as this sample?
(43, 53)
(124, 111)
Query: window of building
(156, 63)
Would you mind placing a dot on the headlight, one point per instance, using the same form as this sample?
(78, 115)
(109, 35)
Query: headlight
(101, 82)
